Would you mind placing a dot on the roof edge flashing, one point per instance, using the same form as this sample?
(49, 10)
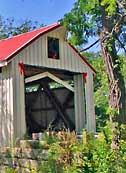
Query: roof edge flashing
(3, 63)
(30, 40)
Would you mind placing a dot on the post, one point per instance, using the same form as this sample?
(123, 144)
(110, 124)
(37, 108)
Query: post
(90, 108)
(79, 101)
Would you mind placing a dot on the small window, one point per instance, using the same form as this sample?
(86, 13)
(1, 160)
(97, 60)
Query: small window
(53, 48)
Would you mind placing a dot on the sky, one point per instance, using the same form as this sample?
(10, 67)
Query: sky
(44, 11)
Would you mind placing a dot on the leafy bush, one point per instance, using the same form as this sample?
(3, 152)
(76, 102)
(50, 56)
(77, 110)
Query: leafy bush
(90, 155)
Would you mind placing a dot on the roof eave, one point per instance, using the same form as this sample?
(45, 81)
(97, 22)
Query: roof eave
(3, 63)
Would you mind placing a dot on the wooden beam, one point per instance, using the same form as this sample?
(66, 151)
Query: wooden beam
(30, 122)
(55, 102)
(79, 102)
(64, 107)
(36, 77)
(51, 76)
(32, 125)
(49, 108)
(56, 79)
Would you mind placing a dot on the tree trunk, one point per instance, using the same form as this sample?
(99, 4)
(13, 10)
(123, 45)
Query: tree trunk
(116, 81)
(116, 84)
(113, 69)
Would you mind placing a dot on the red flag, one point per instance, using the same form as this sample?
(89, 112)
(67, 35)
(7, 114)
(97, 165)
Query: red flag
(22, 68)
(85, 76)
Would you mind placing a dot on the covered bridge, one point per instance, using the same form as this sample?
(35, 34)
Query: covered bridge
(44, 83)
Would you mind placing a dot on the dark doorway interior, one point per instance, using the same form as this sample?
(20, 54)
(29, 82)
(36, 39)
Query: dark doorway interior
(49, 105)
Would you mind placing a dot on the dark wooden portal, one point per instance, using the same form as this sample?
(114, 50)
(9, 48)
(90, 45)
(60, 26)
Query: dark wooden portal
(49, 105)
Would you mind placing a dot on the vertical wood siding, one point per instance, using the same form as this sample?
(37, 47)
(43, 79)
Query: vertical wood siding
(37, 54)
(12, 105)
(90, 111)
(79, 102)
(12, 98)
(6, 107)
(19, 101)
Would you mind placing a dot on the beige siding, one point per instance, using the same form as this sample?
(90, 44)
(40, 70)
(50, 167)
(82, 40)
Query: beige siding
(36, 54)
(12, 106)
(90, 112)
(79, 102)
(12, 98)
(19, 101)
(6, 107)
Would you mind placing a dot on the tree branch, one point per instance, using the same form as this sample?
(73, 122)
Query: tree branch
(90, 46)
(121, 44)
(117, 25)
(121, 4)
(115, 31)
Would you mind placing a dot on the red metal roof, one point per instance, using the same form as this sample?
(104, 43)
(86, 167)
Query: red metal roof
(11, 46)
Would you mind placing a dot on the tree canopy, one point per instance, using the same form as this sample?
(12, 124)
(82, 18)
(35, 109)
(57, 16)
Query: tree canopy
(9, 27)
(86, 20)
(107, 20)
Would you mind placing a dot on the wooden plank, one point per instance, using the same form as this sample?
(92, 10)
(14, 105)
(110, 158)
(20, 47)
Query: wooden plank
(80, 117)
(65, 106)
(33, 70)
(90, 110)
(32, 125)
(49, 108)
(56, 79)
(53, 99)
(22, 105)
(53, 77)
(30, 122)
(36, 77)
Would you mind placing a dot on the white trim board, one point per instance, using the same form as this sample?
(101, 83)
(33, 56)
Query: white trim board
(51, 76)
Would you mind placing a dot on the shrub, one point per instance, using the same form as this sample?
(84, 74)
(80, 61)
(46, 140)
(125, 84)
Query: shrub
(90, 155)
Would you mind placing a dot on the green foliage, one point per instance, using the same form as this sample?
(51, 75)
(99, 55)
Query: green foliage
(101, 88)
(111, 6)
(59, 153)
(88, 154)
(50, 137)
(122, 61)
(111, 111)
(86, 20)
(11, 170)
(9, 27)
(92, 154)
(104, 19)
(50, 167)
(79, 23)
